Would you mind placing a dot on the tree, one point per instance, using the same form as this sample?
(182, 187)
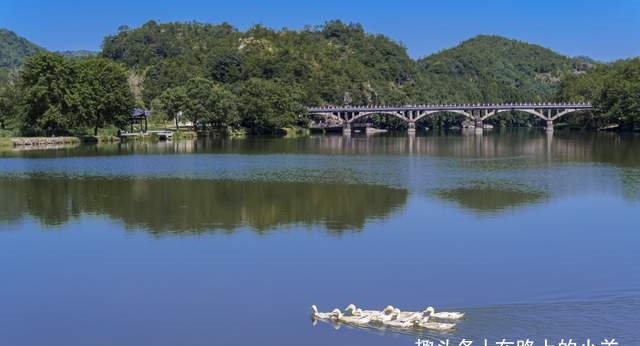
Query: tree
(103, 94)
(210, 103)
(268, 105)
(614, 90)
(172, 101)
(9, 100)
(46, 83)
(226, 66)
(166, 74)
(224, 110)
(200, 100)
(620, 97)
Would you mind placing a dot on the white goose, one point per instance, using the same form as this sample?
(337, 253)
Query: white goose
(399, 323)
(412, 315)
(387, 314)
(333, 315)
(388, 317)
(441, 327)
(355, 320)
(444, 315)
(352, 310)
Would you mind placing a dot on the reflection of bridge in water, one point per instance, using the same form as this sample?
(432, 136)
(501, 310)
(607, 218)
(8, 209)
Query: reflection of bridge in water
(346, 116)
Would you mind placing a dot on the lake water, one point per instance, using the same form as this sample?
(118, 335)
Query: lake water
(229, 242)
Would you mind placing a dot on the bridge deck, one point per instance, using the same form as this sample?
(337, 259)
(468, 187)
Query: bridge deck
(442, 107)
(548, 111)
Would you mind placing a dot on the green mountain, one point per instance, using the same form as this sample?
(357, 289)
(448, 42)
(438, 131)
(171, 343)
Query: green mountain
(338, 63)
(495, 69)
(78, 54)
(329, 64)
(13, 51)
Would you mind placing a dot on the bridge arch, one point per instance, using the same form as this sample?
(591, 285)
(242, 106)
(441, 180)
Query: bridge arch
(530, 111)
(565, 112)
(533, 112)
(365, 114)
(429, 113)
(407, 119)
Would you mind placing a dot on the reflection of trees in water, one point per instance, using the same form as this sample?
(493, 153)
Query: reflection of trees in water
(617, 149)
(631, 182)
(189, 205)
(612, 148)
(486, 199)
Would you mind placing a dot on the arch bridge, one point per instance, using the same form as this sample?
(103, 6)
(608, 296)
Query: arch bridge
(347, 115)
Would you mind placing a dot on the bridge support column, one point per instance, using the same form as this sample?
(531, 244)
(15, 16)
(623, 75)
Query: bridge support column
(346, 129)
(549, 126)
(479, 126)
(412, 128)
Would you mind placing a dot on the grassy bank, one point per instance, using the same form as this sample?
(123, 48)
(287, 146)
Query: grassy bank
(6, 143)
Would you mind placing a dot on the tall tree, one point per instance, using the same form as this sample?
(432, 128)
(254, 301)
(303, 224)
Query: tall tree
(210, 103)
(268, 105)
(200, 100)
(172, 101)
(9, 99)
(46, 83)
(103, 94)
(224, 109)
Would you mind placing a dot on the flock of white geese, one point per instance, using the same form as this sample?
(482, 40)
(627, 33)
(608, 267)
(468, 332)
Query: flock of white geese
(390, 317)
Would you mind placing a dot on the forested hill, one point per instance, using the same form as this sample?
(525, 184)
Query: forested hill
(339, 63)
(261, 79)
(335, 63)
(13, 51)
(330, 64)
(496, 69)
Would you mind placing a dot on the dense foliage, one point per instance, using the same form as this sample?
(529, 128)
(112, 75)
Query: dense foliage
(333, 63)
(218, 77)
(614, 90)
(60, 95)
(13, 51)
(8, 108)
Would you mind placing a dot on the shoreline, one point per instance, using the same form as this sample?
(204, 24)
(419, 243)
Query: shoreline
(43, 141)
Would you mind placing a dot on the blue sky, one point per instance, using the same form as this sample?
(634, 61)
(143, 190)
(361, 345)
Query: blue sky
(604, 30)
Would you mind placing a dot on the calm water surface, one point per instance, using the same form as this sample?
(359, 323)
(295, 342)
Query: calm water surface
(229, 242)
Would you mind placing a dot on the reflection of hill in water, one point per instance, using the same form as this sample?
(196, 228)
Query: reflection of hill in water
(486, 199)
(189, 205)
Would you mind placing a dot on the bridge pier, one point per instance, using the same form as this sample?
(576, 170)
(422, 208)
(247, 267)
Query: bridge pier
(479, 126)
(549, 127)
(346, 129)
(412, 128)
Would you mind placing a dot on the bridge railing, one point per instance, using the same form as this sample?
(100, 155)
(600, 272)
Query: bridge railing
(460, 106)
